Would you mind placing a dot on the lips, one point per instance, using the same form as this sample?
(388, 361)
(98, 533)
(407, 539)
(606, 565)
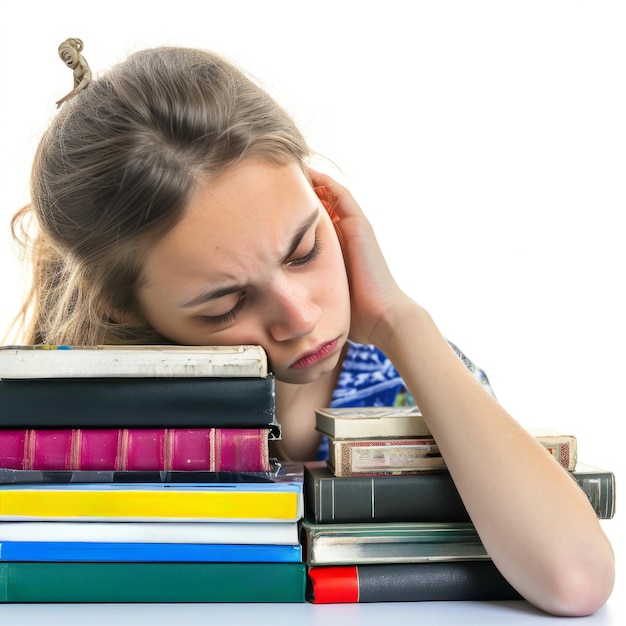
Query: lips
(314, 357)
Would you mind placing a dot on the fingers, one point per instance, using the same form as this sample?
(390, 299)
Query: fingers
(334, 196)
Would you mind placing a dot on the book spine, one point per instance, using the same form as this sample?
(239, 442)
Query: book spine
(202, 503)
(146, 449)
(360, 457)
(104, 552)
(562, 448)
(387, 543)
(369, 427)
(408, 582)
(152, 582)
(228, 532)
(111, 403)
(599, 487)
(383, 456)
(113, 361)
(285, 471)
(331, 499)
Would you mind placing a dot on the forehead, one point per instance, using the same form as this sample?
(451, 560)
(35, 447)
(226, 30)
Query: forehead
(233, 223)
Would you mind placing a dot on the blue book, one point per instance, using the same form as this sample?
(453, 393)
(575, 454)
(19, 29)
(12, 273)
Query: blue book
(82, 551)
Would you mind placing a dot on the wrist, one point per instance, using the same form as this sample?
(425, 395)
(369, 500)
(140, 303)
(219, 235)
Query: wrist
(402, 327)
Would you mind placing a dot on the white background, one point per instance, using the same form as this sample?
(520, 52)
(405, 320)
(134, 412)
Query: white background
(485, 140)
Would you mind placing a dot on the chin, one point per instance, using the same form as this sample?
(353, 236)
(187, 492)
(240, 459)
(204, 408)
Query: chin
(300, 377)
(308, 374)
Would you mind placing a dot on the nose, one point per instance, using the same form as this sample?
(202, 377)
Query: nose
(291, 311)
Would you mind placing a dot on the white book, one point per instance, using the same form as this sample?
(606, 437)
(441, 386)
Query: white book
(364, 422)
(271, 533)
(119, 361)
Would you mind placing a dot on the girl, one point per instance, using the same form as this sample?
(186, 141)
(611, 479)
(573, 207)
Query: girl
(173, 203)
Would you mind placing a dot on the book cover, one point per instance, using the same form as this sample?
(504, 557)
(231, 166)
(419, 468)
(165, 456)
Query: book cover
(263, 501)
(563, 447)
(84, 551)
(425, 497)
(334, 499)
(152, 582)
(367, 422)
(599, 486)
(279, 472)
(230, 532)
(136, 449)
(389, 455)
(408, 582)
(359, 457)
(112, 361)
(388, 542)
(139, 403)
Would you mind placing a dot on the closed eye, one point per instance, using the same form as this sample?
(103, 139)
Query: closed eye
(227, 318)
(309, 257)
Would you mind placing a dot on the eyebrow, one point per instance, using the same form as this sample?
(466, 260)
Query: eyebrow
(226, 291)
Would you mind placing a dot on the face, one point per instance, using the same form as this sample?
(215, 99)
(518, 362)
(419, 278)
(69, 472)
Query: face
(254, 260)
(70, 57)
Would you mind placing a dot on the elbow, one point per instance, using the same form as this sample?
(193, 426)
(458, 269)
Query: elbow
(579, 586)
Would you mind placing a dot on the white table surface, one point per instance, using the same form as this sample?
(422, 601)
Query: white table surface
(306, 614)
(436, 613)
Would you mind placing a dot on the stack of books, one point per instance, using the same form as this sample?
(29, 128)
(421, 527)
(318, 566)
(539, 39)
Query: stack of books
(384, 521)
(142, 474)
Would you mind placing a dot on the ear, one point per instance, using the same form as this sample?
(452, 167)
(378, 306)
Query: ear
(329, 202)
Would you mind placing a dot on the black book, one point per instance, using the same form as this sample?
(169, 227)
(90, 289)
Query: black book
(425, 497)
(408, 582)
(290, 471)
(194, 402)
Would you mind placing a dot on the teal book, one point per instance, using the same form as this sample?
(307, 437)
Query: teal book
(152, 582)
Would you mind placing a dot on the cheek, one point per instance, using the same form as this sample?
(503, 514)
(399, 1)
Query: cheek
(336, 260)
(333, 283)
(332, 244)
(157, 313)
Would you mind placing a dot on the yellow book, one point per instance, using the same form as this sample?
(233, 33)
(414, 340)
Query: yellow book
(200, 502)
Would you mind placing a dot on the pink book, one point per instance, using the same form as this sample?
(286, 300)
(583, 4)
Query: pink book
(137, 449)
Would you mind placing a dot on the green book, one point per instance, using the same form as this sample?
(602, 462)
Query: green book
(152, 582)
(388, 542)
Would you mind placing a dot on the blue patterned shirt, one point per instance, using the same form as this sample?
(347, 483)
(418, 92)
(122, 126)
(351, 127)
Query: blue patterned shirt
(368, 378)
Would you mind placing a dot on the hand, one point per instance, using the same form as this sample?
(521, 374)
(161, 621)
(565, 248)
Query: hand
(375, 295)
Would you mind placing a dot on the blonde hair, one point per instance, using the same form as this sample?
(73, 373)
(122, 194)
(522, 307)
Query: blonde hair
(115, 171)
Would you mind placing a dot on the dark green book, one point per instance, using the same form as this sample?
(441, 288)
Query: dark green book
(426, 497)
(152, 582)
(194, 402)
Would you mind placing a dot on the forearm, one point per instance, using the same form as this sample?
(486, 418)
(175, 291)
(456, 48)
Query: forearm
(535, 522)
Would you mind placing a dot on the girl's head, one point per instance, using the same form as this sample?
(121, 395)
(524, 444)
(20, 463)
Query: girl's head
(117, 171)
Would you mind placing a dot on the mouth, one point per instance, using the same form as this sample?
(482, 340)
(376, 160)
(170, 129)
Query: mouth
(312, 358)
